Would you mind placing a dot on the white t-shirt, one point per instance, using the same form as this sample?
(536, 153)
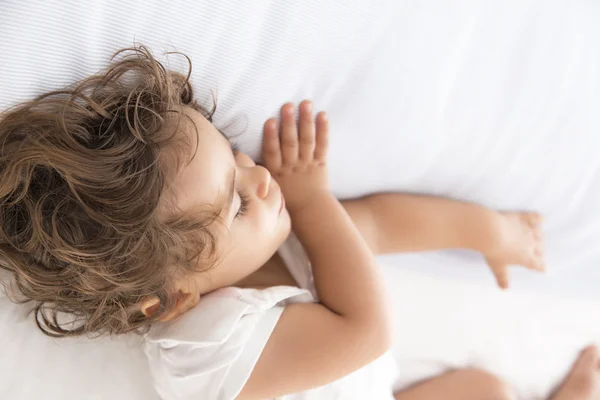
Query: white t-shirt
(209, 352)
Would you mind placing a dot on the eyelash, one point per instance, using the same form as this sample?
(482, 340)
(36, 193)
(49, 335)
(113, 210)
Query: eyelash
(244, 203)
(244, 199)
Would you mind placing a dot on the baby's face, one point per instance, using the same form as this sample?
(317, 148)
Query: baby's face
(255, 223)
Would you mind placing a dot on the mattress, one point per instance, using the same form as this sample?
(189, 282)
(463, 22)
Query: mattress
(483, 101)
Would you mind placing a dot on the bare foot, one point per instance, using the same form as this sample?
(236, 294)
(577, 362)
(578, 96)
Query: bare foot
(517, 241)
(583, 382)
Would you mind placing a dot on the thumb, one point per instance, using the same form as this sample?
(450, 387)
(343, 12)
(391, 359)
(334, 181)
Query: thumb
(501, 273)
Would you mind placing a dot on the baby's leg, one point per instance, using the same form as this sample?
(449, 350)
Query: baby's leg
(462, 384)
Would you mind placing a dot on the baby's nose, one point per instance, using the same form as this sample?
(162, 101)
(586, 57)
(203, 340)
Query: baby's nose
(263, 177)
(245, 160)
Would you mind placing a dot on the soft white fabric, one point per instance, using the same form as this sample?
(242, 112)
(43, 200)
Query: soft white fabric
(210, 351)
(494, 102)
(528, 339)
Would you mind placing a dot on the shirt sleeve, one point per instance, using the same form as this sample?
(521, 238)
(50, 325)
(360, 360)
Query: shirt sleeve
(211, 353)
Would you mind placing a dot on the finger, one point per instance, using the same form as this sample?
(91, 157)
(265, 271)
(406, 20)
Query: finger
(322, 137)
(289, 135)
(501, 274)
(271, 150)
(307, 131)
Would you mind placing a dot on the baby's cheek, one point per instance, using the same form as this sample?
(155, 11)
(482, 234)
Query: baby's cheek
(263, 224)
(257, 231)
(249, 233)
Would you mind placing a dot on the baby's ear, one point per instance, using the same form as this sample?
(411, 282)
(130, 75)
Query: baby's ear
(183, 302)
(150, 306)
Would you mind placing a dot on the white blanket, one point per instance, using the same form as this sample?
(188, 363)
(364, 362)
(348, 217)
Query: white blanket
(493, 102)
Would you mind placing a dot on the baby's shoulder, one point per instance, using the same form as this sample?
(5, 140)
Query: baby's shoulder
(219, 312)
(218, 340)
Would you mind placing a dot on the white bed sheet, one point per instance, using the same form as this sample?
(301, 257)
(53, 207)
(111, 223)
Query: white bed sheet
(494, 102)
(528, 339)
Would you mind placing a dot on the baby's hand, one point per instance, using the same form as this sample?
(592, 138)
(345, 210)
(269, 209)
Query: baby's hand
(297, 160)
(517, 240)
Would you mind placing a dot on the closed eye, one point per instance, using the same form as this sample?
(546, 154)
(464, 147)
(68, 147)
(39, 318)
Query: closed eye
(244, 203)
(244, 198)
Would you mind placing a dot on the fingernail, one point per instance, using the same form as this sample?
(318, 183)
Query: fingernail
(289, 111)
(308, 107)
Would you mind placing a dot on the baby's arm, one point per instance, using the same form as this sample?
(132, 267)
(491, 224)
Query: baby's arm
(314, 344)
(395, 222)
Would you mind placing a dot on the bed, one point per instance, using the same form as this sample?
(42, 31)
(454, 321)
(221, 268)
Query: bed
(492, 102)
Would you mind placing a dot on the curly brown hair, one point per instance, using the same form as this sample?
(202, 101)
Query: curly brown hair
(82, 179)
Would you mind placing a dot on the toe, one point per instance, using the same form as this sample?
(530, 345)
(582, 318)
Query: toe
(582, 381)
(588, 359)
(531, 219)
(540, 265)
(501, 274)
(535, 263)
(538, 255)
(584, 372)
